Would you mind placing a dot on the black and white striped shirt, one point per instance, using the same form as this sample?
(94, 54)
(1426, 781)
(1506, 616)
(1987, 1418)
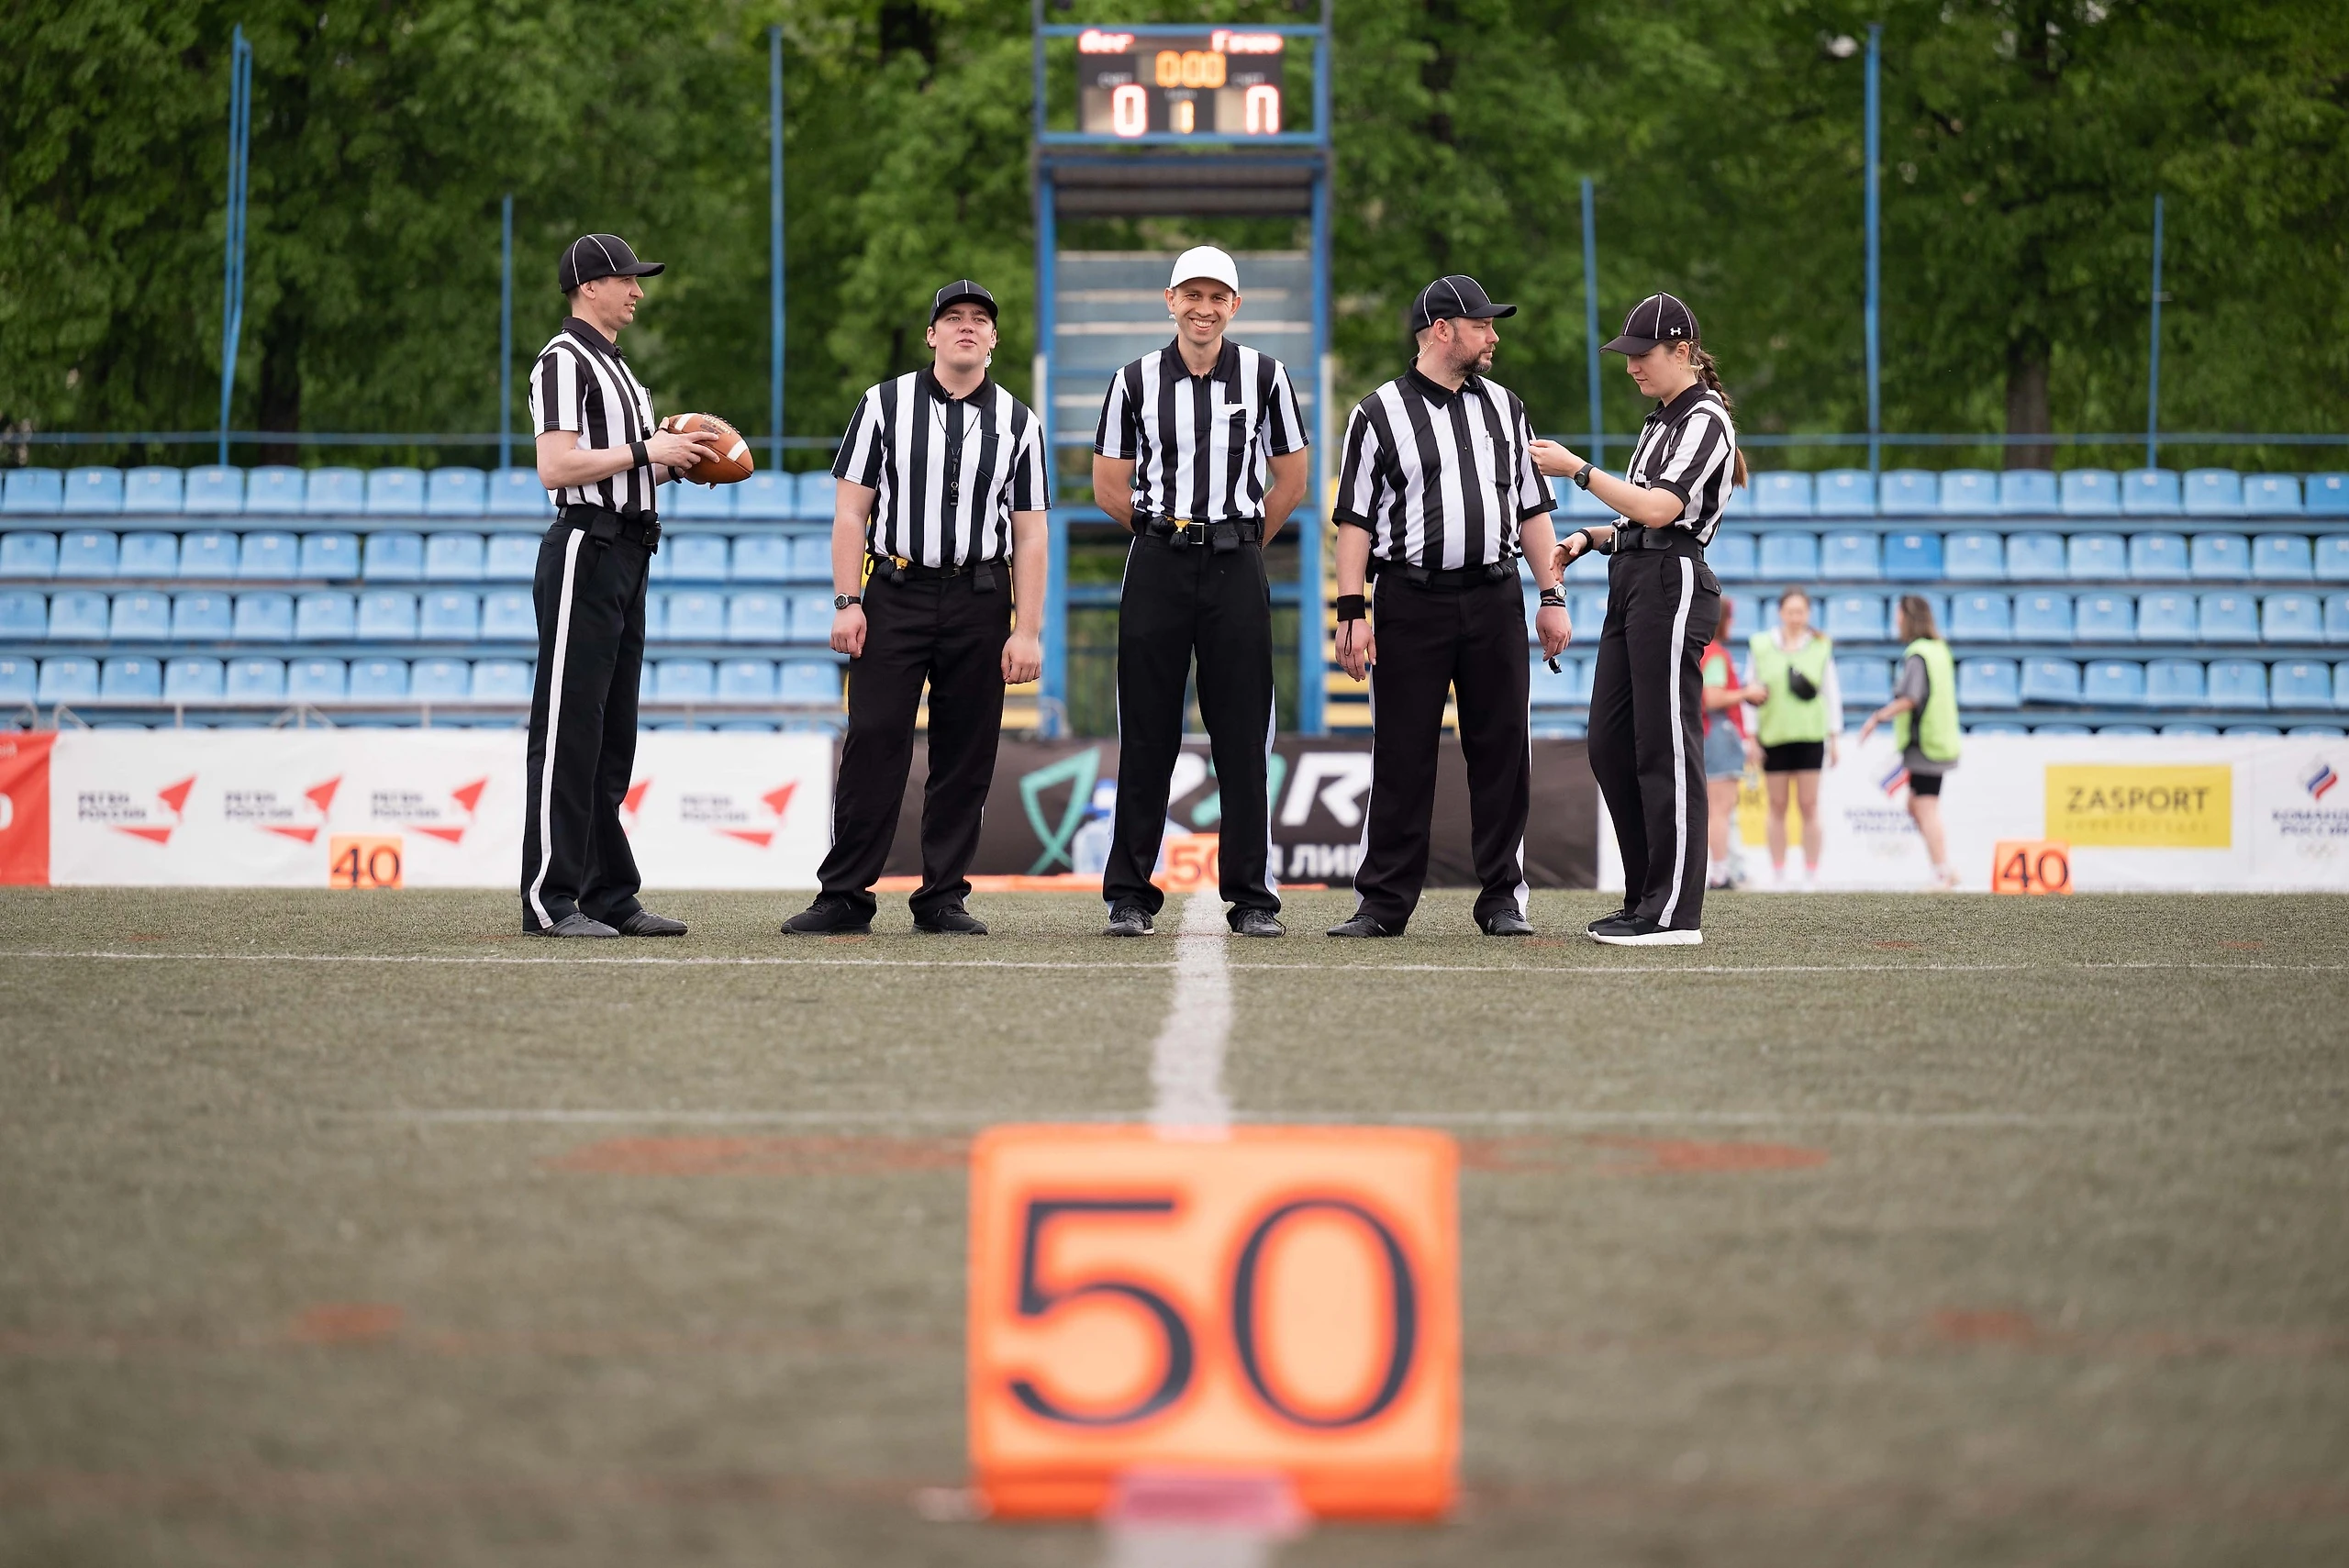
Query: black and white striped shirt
(949, 470)
(583, 383)
(1441, 479)
(1199, 441)
(1689, 446)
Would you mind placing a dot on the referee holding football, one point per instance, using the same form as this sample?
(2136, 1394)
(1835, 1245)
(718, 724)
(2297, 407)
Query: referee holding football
(601, 457)
(1435, 501)
(1663, 601)
(1187, 434)
(938, 536)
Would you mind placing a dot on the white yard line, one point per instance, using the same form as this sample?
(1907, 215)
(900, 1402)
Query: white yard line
(1186, 1060)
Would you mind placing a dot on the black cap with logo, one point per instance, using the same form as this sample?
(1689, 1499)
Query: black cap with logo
(960, 290)
(593, 256)
(1659, 318)
(1455, 294)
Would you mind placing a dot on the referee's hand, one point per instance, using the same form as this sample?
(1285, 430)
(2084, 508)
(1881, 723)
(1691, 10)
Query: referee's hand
(1357, 648)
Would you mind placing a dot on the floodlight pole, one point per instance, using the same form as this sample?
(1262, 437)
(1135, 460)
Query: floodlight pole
(1875, 106)
(1590, 318)
(506, 333)
(2153, 360)
(775, 242)
(232, 292)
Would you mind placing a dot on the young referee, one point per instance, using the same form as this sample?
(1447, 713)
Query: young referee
(1188, 435)
(942, 491)
(1436, 501)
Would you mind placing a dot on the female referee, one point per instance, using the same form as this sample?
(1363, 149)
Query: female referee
(1647, 737)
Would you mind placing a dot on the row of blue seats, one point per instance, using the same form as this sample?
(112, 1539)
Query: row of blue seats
(281, 492)
(393, 556)
(134, 679)
(2236, 684)
(85, 615)
(1980, 556)
(2038, 492)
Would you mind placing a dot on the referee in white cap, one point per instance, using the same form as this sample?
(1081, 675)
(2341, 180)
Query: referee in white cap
(1201, 454)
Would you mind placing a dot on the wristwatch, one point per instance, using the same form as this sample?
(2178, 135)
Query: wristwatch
(1582, 475)
(842, 601)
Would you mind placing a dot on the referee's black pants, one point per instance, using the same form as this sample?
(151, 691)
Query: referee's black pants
(1647, 723)
(1181, 600)
(590, 602)
(946, 633)
(1470, 641)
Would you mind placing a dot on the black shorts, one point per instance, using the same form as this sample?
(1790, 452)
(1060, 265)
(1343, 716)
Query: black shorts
(1924, 784)
(1795, 757)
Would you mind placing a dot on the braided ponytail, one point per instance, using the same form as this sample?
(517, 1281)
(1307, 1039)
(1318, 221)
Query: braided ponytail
(1707, 372)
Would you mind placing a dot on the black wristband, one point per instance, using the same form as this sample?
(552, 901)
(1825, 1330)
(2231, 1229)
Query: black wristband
(636, 450)
(1352, 606)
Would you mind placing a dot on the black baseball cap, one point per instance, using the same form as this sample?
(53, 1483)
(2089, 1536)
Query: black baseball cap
(1659, 318)
(1455, 294)
(955, 293)
(593, 256)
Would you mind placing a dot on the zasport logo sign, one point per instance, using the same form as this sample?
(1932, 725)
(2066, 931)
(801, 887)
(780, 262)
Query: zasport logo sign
(2147, 806)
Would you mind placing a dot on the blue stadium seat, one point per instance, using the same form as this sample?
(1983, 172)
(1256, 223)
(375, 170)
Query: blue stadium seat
(256, 680)
(508, 616)
(1972, 556)
(2025, 492)
(395, 492)
(216, 490)
(1909, 492)
(2105, 617)
(450, 616)
(2043, 618)
(24, 612)
(2282, 558)
(325, 617)
(2213, 493)
(2332, 558)
(811, 560)
(1913, 558)
(817, 491)
(2221, 558)
(2050, 680)
(395, 556)
(2299, 683)
(202, 618)
(1790, 555)
(2036, 557)
(1850, 558)
(28, 555)
(2238, 682)
(148, 554)
(1854, 617)
(32, 491)
(755, 617)
(98, 490)
(2159, 558)
(766, 558)
(208, 553)
(87, 552)
(1732, 555)
(684, 680)
(264, 618)
(276, 490)
(316, 680)
(336, 493)
(2113, 683)
(1988, 683)
(2271, 494)
(142, 617)
(766, 495)
(452, 557)
(811, 616)
(695, 558)
(510, 558)
(19, 680)
(2327, 495)
(456, 492)
(697, 503)
(2291, 617)
(746, 680)
(501, 680)
(379, 679)
(68, 680)
(77, 615)
(2186, 731)
(330, 557)
(2336, 617)
(131, 680)
(154, 490)
(2150, 492)
(2097, 558)
(192, 679)
(270, 556)
(1865, 680)
(2229, 617)
(386, 615)
(517, 493)
(439, 680)
(696, 617)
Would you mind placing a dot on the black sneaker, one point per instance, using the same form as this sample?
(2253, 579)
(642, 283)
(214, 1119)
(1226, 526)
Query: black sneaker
(828, 916)
(1128, 920)
(1361, 926)
(953, 920)
(1257, 923)
(1507, 923)
(645, 923)
(1634, 932)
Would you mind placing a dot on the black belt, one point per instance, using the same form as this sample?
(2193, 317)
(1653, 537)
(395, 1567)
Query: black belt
(1452, 579)
(897, 569)
(1223, 536)
(602, 526)
(1630, 536)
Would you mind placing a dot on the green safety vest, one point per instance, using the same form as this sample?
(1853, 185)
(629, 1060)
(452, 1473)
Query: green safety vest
(1786, 718)
(1939, 731)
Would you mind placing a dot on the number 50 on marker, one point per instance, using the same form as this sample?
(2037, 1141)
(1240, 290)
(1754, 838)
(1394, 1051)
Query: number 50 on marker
(1282, 1299)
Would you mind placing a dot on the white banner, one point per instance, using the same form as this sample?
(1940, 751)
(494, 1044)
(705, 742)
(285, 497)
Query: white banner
(2141, 813)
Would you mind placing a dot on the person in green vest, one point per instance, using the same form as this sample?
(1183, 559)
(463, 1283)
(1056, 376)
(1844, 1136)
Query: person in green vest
(1923, 711)
(1799, 728)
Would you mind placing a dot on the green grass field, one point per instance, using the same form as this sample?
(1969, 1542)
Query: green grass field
(1876, 1231)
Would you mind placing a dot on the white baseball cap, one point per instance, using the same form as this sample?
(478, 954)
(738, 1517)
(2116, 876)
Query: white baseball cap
(1205, 261)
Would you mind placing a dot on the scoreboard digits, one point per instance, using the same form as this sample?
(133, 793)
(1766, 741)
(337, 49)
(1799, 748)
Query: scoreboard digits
(1134, 84)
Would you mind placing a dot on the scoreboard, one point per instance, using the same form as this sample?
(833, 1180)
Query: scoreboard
(1132, 84)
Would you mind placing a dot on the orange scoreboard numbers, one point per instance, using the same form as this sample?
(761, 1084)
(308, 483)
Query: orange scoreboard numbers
(2030, 865)
(1279, 1300)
